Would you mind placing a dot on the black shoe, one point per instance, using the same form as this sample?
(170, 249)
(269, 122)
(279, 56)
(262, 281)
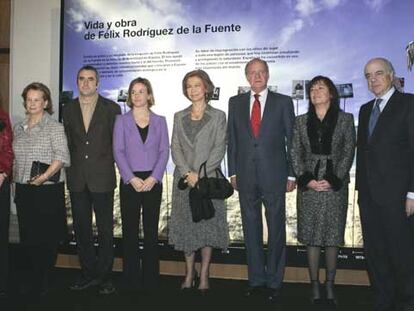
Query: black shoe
(252, 291)
(315, 297)
(106, 288)
(204, 292)
(3, 294)
(274, 296)
(83, 283)
(194, 284)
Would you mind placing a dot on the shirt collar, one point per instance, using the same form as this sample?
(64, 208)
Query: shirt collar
(40, 124)
(92, 101)
(263, 94)
(386, 97)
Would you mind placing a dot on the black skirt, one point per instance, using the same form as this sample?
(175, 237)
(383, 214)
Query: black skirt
(41, 213)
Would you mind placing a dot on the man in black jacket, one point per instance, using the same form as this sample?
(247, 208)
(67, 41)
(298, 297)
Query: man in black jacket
(385, 181)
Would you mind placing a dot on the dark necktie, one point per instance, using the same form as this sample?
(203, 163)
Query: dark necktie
(374, 116)
(256, 116)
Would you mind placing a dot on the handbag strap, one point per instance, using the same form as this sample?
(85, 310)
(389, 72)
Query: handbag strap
(203, 167)
(219, 172)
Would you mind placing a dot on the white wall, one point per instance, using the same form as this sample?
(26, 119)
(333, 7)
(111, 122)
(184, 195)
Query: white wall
(35, 32)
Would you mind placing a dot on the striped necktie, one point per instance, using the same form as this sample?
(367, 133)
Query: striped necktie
(375, 113)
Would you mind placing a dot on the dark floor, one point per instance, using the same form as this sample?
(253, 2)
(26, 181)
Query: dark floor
(223, 293)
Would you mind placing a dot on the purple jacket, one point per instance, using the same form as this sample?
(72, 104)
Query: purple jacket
(132, 155)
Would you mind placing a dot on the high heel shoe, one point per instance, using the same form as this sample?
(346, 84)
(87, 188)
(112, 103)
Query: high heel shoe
(205, 290)
(193, 284)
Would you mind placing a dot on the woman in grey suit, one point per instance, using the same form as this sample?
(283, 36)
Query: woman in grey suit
(199, 135)
(322, 153)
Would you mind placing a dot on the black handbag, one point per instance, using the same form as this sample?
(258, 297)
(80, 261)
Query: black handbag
(214, 187)
(38, 168)
(201, 207)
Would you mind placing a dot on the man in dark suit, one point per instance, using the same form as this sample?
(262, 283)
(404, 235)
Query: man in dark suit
(91, 180)
(260, 129)
(385, 181)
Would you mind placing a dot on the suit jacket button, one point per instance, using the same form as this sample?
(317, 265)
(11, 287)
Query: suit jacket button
(87, 142)
(86, 156)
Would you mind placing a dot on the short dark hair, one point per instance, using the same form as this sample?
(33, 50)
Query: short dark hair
(254, 60)
(90, 68)
(151, 100)
(38, 86)
(208, 84)
(333, 91)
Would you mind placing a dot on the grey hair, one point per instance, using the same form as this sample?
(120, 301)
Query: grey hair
(387, 63)
(254, 60)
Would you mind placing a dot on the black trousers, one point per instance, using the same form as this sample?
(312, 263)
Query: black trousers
(4, 233)
(42, 225)
(389, 250)
(94, 266)
(132, 203)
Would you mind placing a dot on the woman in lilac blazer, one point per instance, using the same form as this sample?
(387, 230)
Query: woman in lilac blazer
(141, 149)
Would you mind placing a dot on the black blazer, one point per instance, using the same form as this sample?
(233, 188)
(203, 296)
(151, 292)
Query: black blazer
(92, 161)
(385, 162)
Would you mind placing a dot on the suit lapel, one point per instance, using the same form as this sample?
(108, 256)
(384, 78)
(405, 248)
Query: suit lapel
(245, 112)
(130, 121)
(186, 114)
(131, 127)
(151, 126)
(365, 114)
(267, 112)
(78, 118)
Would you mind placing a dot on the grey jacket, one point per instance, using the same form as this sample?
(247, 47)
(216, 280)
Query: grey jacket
(209, 144)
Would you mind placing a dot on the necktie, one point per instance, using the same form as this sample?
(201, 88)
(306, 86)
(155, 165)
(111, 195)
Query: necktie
(374, 116)
(256, 116)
